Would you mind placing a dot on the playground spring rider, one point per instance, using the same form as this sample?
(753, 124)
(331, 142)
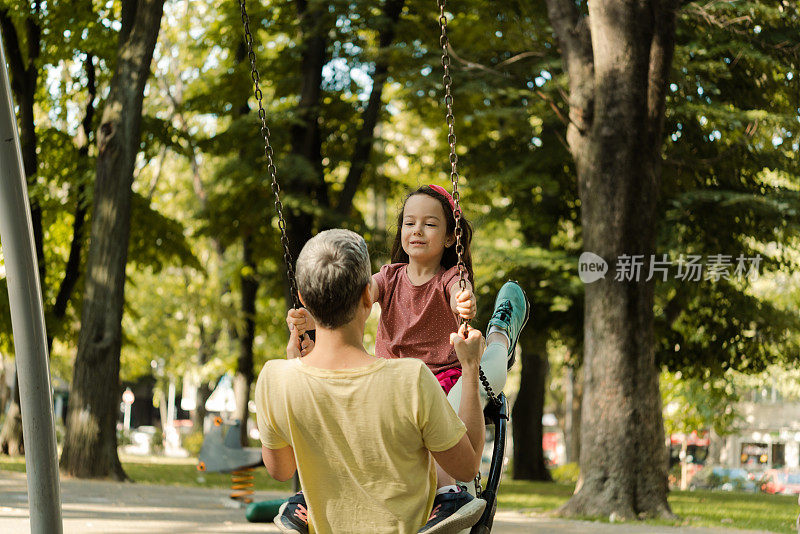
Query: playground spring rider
(496, 411)
(222, 452)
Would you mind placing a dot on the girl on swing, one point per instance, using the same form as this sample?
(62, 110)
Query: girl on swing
(421, 305)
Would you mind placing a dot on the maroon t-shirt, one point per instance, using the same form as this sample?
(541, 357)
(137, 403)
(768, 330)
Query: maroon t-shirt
(416, 321)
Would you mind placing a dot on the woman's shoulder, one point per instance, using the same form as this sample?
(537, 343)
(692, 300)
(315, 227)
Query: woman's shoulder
(279, 365)
(411, 367)
(276, 371)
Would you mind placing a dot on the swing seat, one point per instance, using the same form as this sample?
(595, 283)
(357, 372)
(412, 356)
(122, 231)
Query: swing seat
(496, 415)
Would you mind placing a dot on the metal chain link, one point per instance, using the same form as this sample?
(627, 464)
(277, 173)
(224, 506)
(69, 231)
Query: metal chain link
(262, 115)
(451, 140)
(447, 80)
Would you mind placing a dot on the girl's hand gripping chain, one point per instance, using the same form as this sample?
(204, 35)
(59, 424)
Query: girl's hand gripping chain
(465, 304)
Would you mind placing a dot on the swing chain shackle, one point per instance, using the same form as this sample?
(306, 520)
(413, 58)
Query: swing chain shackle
(447, 81)
(273, 172)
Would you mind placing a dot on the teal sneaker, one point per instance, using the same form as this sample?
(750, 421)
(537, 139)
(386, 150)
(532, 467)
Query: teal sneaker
(511, 311)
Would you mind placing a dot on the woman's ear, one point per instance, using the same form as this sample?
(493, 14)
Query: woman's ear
(366, 295)
(300, 296)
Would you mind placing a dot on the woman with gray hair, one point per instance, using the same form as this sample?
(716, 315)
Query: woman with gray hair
(361, 430)
(333, 269)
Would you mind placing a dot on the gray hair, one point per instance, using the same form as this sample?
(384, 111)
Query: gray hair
(332, 271)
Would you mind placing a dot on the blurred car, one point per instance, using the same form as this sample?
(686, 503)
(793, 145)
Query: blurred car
(726, 479)
(782, 482)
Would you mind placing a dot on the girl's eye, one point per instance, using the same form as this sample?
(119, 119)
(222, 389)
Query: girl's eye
(431, 225)
(408, 223)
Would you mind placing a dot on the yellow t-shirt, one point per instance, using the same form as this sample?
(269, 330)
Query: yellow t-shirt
(361, 438)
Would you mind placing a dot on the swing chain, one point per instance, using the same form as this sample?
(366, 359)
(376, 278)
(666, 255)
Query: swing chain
(447, 80)
(451, 140)
(262, 115)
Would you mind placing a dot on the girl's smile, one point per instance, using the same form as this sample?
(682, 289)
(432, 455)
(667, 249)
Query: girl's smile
(424, 231)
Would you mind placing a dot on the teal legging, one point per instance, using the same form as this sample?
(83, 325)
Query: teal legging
(494, 363)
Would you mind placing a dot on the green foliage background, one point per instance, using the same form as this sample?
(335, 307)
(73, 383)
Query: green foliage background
(730, 186)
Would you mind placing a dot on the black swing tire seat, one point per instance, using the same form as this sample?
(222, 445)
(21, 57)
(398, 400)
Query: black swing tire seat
(496, 415)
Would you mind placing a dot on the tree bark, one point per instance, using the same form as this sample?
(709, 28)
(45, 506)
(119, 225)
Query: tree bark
(527, 412)
(90, 446)
(243, 380)
(617, 59)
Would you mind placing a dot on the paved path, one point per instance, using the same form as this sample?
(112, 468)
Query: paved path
(119, 508)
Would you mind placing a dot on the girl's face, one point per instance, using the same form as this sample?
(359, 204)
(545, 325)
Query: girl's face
(424, 232)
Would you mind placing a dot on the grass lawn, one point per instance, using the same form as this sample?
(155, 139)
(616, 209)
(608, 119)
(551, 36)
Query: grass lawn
(171, 472)
(774, 513)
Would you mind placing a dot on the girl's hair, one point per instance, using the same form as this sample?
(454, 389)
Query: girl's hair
(449, 258)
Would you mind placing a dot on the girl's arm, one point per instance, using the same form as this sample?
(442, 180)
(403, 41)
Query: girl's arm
(462, 302)
(375, 289)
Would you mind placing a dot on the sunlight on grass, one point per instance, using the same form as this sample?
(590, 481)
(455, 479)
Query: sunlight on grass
(536, 497)
(774, 513)
(171, 472)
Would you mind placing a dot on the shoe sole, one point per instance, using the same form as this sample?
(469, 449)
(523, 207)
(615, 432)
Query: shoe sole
(291, 529)
(512, 351)
(465, 517)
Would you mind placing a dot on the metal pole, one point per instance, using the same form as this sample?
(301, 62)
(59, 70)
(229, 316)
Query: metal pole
(27, 322)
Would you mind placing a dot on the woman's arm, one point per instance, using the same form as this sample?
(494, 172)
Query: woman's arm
(280, 463)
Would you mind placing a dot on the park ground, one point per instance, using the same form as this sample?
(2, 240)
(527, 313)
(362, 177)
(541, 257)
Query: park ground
(170, 498)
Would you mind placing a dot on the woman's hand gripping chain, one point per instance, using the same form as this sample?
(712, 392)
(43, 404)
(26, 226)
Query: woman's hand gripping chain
(299, 322)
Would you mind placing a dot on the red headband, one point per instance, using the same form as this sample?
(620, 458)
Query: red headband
(442, 191)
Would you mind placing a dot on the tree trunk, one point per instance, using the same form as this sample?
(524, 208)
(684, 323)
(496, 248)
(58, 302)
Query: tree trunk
(204, 353)
(5, 391)
(528, 409)
(243, 380)
(90, 447)
(11, 435)
(617, 59)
